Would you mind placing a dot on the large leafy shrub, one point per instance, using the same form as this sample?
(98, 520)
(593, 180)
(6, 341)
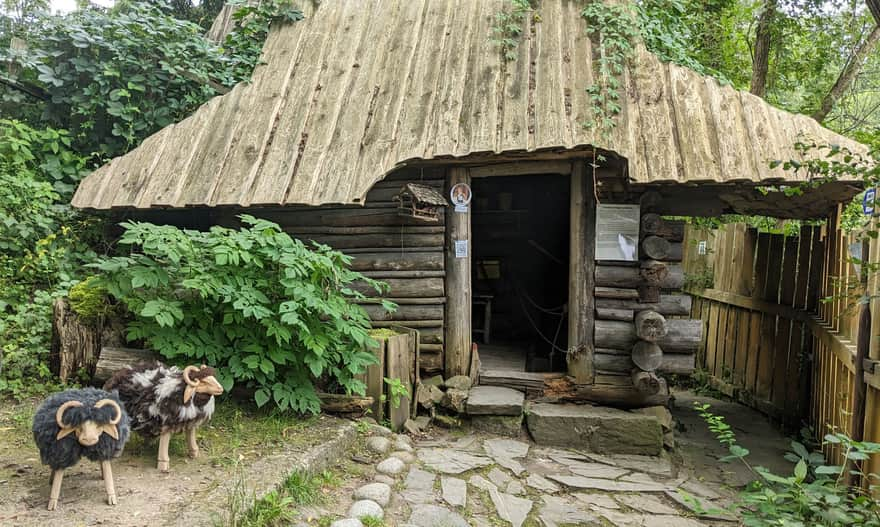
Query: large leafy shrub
(43, 247)
(265, 309)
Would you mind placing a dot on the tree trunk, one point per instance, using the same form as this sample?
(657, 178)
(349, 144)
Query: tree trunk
(848, 75)
(76, 344)
(761, 56)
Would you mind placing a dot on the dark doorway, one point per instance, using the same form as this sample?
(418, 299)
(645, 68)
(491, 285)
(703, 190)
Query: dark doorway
(520, 240)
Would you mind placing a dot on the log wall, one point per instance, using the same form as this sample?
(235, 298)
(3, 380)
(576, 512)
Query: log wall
(641, 330)
(404, 252)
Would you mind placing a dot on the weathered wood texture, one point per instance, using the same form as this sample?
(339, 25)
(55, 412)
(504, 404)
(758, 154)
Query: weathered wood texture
(76, 343)
(614, 390)
(581, 273)
(458, 341)
(758, 313)
(357, 89)
(631, 276)
(111, 360)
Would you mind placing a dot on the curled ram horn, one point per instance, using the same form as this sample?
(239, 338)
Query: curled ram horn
(59, 418)
(190, 389)
(110, 428)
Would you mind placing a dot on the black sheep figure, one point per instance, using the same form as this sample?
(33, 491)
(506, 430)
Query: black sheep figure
(73, 424)
(165, 400)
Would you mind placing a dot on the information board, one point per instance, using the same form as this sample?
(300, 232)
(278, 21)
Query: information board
(617, 232)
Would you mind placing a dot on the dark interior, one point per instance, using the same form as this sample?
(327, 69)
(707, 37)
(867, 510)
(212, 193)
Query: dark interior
(520, 230)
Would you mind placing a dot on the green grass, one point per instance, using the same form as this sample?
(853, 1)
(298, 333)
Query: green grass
(372, 521)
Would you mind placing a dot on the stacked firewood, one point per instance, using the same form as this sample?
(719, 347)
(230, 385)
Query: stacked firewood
(641, 326)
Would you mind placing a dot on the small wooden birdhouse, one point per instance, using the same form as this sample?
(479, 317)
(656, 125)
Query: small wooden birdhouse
(420, 201)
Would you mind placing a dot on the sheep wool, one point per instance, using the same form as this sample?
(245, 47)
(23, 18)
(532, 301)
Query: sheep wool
(153, 395)
(67, 451)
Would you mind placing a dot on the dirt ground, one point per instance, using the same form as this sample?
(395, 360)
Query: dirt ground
(240, 447)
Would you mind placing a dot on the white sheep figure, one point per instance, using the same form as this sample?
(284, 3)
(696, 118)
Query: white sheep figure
(165, 400)
(73, 424)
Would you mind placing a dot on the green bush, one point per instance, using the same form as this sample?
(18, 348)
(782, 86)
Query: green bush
(815, 494)
(262, 307)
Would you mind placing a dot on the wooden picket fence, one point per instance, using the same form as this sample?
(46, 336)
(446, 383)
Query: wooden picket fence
(781, 319)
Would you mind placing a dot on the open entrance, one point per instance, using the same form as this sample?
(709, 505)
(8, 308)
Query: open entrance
(519, 266)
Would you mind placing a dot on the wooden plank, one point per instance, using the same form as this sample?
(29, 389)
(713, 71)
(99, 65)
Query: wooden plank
(374, 378)
(551, 124)
(581, 272)
(458, 285)
(522, 168)
(399, 359)
(718, 368)
(404, 312)
(754, 304)
(741, 353)
(754, 352)
(712, 337)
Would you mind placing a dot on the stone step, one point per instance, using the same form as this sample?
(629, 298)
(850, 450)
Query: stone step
(594, 429)
(494, 400)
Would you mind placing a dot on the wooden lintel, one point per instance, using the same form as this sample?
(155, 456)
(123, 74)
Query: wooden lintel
(522, 168)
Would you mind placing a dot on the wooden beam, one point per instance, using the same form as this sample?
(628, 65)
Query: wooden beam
(581, 275)
(522, 168)
(458, 284)
(755, 304)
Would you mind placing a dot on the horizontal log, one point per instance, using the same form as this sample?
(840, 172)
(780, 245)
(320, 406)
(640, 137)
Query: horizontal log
(624, 315)
(668, 304)
(426, 348)
(387, 192)
(683, 335)
(397, 250)
(368, 215)
(415, 324)
(404, 301)
(342, 241)
(621, 394)
(397, 261)
(335, 403)
(654, 224)
(431, 362)
(617, 293)
(112, 360)
(681, 364)
(404, 287)
(387, 275)
(404, 313)
(396, 230)
(631, 277)
(657, 248)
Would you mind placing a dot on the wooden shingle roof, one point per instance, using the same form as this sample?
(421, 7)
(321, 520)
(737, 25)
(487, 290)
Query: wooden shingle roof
(363, 86)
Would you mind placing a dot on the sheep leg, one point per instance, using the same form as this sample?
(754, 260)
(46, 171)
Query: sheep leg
(191, 442)
(164, 440)
(57, 476)
(107, 471)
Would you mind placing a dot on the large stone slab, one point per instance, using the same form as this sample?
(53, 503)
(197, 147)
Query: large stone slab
(607, 485)
(501, 425)
(595, 429)
(435, 516)
(449, 461)
(454, 491)
(494, 400)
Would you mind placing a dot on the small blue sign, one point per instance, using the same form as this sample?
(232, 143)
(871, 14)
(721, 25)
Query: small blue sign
(868, 201)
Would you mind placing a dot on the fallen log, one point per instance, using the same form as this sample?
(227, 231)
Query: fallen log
(335, 403)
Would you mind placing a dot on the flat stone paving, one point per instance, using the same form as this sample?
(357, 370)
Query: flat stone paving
(483, 480)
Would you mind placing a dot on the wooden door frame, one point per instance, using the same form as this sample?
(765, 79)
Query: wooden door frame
(457, 331)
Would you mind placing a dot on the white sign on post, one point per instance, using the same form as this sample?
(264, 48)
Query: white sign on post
(617, 232)
(461, 248)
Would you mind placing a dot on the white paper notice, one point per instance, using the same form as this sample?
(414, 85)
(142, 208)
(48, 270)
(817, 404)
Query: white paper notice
(461, 248)
(617, 232)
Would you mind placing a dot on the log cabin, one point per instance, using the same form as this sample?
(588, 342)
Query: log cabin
(518, 241)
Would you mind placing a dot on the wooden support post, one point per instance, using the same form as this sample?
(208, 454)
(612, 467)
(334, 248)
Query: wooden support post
(581, 275)
(458, 284)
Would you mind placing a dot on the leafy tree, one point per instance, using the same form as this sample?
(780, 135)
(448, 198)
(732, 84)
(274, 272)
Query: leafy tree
(262, 307)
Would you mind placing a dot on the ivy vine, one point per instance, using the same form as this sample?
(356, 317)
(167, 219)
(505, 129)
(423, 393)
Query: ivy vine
(613, 29)
(508, 28)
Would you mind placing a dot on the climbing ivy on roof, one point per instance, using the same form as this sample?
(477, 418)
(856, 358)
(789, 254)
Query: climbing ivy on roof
(613, 30)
